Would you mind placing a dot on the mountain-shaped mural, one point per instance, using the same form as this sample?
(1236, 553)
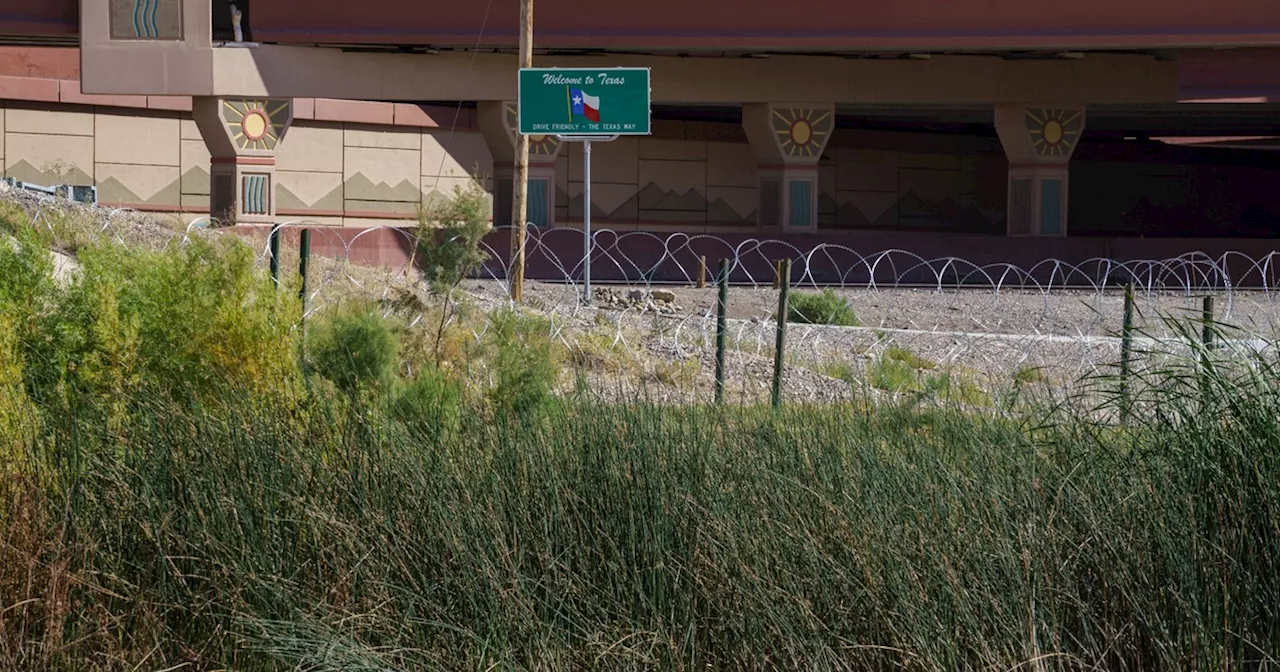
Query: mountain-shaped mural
(828, 210)
(627, 212)
(25, 172)
(112, 190)
(360, 188)
(653, 197)
(652, 202)
(911, 211)
(286, 200)
(720, 212)
(196, 181)
(1148, 218)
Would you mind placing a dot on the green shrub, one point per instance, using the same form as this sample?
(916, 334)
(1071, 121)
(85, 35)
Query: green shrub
(355, 349)
(185, 319)
(204, 315)
(892, 375)
(523, 361)
(909, 358)
(825, 307)
(16, 411)
(26, 276)
(956, 389)
(449, 234)
(600, 351)
(448, 247)
(430, 404)
(1029, 375)
(840, 370)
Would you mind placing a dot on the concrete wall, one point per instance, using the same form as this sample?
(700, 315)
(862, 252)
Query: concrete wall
(364, 164)
(691, 176)
(334, 173)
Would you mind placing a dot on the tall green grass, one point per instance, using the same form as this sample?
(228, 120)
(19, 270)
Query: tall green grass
(599, 537)
(245, 521)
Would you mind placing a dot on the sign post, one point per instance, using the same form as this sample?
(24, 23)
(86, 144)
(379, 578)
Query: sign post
(584, 105)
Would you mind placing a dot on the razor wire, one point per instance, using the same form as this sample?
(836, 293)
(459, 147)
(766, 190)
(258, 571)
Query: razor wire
(1056, 320)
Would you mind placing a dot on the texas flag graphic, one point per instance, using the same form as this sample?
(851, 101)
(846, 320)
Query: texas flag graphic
(583, 104)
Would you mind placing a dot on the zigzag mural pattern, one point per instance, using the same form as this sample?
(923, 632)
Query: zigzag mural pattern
(910, 211)
(654, 203)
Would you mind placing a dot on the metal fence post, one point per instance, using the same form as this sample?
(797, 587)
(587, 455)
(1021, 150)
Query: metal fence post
(1126, 349)
(274, 245)
(1206, 331)
(702, 272)
(304, 260)
(784, 274)
(722, 309)
(1206, 341)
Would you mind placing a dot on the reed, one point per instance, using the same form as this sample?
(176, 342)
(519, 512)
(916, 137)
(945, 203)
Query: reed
(254, 522)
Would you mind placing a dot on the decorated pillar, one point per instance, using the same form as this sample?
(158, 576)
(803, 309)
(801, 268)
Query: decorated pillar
(788, 141)
(1039, 141)
(242, 136)
(499, 125)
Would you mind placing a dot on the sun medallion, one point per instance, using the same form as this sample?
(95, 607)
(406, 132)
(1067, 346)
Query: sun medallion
(1054, 132)
(801, 132)
(255, 124)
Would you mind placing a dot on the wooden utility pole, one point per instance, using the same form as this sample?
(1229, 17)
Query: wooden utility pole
(520, 189)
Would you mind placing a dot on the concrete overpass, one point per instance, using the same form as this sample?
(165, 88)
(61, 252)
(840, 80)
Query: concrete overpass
(936, 115)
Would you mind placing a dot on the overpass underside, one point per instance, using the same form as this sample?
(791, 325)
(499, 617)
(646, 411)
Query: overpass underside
(950, 125)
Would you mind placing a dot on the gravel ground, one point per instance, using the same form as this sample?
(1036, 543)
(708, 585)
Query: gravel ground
(1053, 340)
(978, 335)
(1062, 312)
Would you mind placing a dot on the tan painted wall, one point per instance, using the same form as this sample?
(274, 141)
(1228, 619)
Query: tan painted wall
(701, 177)
(691, 176)
(332, 173)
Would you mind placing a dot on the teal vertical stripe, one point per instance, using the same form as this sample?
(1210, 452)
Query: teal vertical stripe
(1051, 206)
(255, 194)
(536, 211)
(801, 203)
(151, 18)
(137, 18)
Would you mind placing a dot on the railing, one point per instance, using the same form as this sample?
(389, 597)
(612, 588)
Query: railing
(74, 192)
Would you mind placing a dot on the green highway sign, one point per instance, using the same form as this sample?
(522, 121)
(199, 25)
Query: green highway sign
(595, 102)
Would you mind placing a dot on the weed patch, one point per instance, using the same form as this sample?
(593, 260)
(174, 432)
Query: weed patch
(825, 307)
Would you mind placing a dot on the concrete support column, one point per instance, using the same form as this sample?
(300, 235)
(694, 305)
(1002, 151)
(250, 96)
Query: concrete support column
(1039, 141)
(788, 141)
(242, 136)
(498, 123)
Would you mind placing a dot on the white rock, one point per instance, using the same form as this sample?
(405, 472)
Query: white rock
(663, 295)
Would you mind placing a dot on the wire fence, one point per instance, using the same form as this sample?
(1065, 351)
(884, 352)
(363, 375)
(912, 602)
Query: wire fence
(920, 325)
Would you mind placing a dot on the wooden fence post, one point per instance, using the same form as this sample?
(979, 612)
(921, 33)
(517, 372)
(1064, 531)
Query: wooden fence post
(722, 309)
(784, 275)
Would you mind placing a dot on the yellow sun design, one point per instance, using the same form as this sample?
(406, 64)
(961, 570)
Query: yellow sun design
(254, 124)
(1054, 132)
(801, 132)
(543, 145)
(539, 145)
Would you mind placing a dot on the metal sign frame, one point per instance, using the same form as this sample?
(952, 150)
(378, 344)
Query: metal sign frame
(603, 133)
